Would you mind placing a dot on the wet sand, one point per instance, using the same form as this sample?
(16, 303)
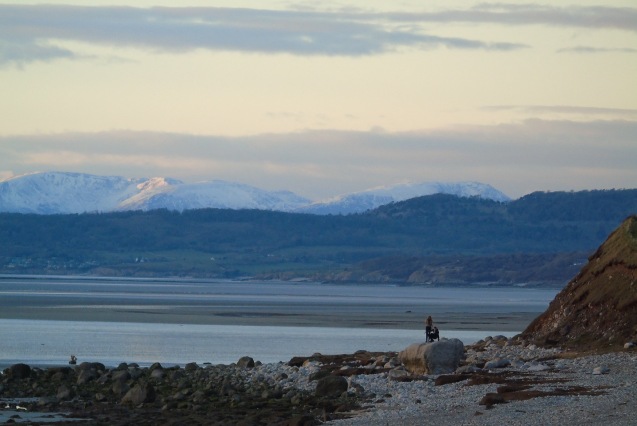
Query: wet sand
(360, 317)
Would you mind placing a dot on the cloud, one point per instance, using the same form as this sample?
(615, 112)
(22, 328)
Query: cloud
(590, 49)
(591, 17)
(21, 51)
(27, 31)
(516, 158)
(566, 109)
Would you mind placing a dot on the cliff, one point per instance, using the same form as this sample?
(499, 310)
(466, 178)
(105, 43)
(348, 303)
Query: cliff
(598, 308)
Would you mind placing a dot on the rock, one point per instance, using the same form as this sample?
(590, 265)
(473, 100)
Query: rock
(536, 366)
(157, 374)
(467, 369)
(64, 393)
(135, 372)
(97, 366)
(139, 394)
(191, 366)
(18, 371)
(331, 386)
(355, 387)
(119, 388)
(398, 373)
(497, 363)
(602, 369)
(121, 376)
(245, 362)
(441, 357)
(86, 376)
(318, 375)
(446, 379)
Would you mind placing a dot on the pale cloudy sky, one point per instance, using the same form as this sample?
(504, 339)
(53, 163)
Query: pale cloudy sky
(323, 98)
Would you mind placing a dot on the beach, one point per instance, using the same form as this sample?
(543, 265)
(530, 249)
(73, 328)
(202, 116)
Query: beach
(501, 381)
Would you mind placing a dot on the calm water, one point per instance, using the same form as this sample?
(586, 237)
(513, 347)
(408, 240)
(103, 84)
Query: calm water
(40, 342)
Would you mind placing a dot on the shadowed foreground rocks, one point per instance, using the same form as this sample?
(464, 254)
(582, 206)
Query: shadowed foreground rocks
(243, 394)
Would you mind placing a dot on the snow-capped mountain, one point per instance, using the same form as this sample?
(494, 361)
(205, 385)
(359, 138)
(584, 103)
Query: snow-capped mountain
(213, 194)
(359, 202)
(60, 192)
(54, 192)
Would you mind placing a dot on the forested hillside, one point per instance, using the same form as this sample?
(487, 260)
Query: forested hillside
(438, 238)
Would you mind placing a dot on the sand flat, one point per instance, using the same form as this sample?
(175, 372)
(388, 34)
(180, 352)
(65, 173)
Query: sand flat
(274, 317)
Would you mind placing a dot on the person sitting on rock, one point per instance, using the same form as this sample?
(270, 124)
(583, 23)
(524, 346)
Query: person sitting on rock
(429, 325)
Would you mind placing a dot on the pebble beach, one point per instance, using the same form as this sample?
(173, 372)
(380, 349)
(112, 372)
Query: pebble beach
(501, 381)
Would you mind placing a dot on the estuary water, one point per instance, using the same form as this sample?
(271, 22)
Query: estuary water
(44, 320)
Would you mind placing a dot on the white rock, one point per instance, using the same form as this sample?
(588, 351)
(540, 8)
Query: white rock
(497, 363)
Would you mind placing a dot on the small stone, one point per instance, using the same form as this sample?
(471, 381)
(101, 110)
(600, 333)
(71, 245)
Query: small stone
(497, 363)
(602, 369)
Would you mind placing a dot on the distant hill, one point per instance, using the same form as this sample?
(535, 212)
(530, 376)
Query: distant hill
(64, 193)
(370, 199)
(437, 239)
(598, 308)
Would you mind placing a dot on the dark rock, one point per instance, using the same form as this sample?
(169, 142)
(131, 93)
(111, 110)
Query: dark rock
(86, 376)
(119, 388)
(191, 366)
(97, 366)
(157, 374)
(318, 375)
(120, 376)
(245, 362)
(450, 378)
(64, 393)
(139, 394)
(18, 371)
(492, 398)
(331, 386)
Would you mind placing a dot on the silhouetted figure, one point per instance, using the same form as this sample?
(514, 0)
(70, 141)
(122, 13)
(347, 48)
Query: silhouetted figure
(431, 332)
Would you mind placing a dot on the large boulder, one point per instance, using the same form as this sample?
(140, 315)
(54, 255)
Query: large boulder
(441, 357)
(331, 386)
(245, 362)
(18, 371)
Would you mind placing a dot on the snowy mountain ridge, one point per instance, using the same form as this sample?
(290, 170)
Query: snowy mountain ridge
(65, 193)
(370, 199)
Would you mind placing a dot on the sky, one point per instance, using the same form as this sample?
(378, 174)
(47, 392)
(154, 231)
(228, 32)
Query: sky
(323, 98)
